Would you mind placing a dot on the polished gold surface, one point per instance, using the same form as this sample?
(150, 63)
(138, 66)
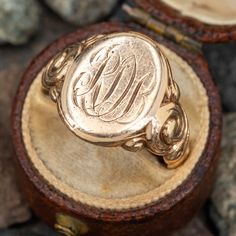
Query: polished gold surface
(117, 90)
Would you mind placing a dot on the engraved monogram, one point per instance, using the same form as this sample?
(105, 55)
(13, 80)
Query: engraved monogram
(110, 87)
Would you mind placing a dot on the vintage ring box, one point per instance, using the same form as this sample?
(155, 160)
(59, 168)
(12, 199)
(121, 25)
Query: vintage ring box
(80, 188)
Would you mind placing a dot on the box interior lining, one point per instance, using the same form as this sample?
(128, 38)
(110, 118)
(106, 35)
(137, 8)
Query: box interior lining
(211, 12)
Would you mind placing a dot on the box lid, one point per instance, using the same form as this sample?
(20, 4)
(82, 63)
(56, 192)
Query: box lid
(207, 21)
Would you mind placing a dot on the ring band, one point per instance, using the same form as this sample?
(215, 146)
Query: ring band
(118, 90)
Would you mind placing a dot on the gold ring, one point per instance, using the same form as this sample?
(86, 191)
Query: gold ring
(118, 90)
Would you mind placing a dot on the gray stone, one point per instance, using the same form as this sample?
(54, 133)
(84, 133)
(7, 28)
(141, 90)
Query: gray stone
(30, 229)
(223, 210)
(82, 12)
(19, 19)
(222, 63)
(13, 208)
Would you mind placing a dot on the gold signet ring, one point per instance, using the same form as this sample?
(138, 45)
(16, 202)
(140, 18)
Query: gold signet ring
(117, 90)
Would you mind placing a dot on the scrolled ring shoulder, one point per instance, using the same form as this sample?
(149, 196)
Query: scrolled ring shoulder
(118, 90)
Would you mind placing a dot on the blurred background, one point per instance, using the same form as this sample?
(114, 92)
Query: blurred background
(28, 26)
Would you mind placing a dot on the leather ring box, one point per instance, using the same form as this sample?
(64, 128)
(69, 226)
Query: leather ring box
(79, 188)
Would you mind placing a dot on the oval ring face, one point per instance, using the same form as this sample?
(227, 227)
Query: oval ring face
(113, 88)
